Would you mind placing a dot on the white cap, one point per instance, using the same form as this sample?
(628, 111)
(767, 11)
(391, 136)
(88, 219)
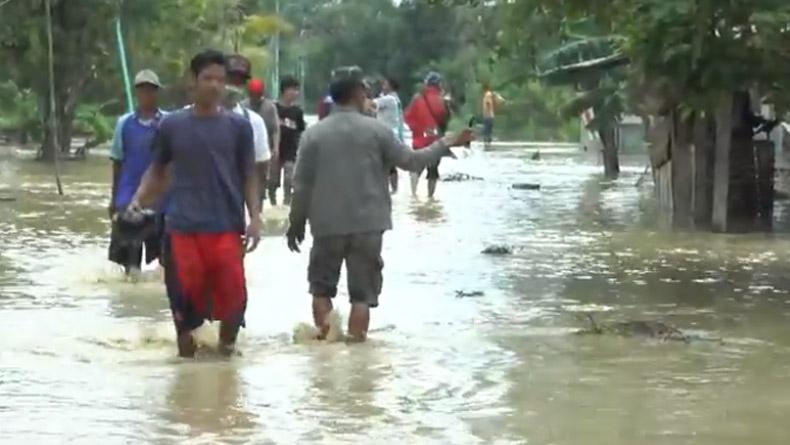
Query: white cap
(147, 77)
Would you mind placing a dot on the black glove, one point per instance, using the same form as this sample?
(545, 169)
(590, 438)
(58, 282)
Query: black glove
(295, 236)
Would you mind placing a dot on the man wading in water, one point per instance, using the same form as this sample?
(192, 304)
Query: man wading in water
(340, 186)
(209, 153)
(427, 116)
(291, 127)
(491, 100)
(131, 156)
(266, 107)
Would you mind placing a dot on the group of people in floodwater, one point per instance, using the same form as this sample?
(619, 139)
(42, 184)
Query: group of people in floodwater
(183, 179)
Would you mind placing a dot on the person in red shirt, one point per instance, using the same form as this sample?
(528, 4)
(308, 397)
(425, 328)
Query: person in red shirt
(427, 116)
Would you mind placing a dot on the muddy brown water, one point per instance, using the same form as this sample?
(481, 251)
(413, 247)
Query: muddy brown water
(86, 357)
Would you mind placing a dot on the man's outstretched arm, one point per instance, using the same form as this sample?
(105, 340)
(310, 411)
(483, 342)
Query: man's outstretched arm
(399, 155)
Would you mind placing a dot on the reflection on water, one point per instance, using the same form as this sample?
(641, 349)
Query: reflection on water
(206, 401)
(89, 357)
(430, 211)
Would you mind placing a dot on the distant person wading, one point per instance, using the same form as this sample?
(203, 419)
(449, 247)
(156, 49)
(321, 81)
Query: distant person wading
(292, 125)
(239, 68)
(266, 107)
(427, 116)
(389, 112)
(491, 101)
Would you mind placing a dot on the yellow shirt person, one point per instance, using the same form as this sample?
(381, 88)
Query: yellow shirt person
(491, 101)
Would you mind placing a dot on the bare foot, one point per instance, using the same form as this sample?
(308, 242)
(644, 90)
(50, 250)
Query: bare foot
(186, 345)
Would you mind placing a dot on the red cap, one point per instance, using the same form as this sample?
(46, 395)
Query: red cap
(256, 87)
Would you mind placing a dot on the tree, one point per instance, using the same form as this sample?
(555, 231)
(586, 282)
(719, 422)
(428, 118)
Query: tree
(83, 43)
(160, 34)
(691, 63)
(594, 68)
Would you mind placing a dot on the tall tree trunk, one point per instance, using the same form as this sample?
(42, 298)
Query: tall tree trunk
(65, 119)
(611, 163)
(765, 159)
(721, 171)
(682, 171)
(735, 182)
(704, 157)
(743, 173)
(66, 109)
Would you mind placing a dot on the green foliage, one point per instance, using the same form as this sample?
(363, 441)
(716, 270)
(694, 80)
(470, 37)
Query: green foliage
(91, 121)
(686, 52)
(18, 110)
(406, 41)
(160, 34)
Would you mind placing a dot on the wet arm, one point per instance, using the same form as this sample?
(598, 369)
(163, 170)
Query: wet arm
(399, 155)
(300, 124)
(153, 185)
(248, 157)
(251, 196)
(276, 135)
(304, 177)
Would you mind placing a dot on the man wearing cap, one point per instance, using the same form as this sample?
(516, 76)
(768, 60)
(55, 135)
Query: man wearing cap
(427, 116)
(239, 69)
(265, 107)
(131, 155)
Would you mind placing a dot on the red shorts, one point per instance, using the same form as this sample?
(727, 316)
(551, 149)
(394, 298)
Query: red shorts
(209, 270)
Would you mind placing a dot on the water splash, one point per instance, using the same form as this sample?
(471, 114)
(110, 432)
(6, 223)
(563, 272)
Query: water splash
(305, 333)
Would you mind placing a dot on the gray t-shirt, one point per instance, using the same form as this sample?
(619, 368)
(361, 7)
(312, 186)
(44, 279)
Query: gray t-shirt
(268, 111)
(211, 158)
(342, 169)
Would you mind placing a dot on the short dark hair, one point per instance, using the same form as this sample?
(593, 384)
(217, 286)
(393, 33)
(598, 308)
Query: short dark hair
(394, 84)
(238, 65)
(342, 89)
(206, 58)
(289, 82)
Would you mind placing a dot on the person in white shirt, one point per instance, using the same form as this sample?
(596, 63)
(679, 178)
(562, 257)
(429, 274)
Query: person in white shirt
(239, 71)
(260, 135)
(389, 111)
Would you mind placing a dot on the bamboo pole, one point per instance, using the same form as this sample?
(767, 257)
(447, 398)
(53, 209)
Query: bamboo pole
(53, 118)
(124, 67)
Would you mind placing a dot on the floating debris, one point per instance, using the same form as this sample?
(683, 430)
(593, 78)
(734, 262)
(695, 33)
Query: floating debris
(469, 294)
(641, 328)
(526, 186)
(460, 177)
(497, 250)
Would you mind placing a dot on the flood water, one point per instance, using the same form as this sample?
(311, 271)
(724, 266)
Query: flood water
(86, 357)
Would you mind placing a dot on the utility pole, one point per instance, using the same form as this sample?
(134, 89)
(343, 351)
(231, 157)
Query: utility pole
(302, 51)
(53, 113)
(276, 79)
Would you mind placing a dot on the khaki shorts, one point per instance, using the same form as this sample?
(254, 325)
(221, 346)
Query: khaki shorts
(362, 254)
